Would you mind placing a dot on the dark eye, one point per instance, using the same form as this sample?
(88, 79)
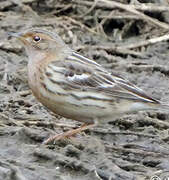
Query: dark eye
(36, 38)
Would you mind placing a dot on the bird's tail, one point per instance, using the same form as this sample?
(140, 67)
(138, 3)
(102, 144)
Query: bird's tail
(161, 106)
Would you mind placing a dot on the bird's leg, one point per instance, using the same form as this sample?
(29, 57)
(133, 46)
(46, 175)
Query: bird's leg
(69, 133)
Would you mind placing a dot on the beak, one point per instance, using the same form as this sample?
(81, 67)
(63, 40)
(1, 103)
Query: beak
(14, 34)
(18, 36)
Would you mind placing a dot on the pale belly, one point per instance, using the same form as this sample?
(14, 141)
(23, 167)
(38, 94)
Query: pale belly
(87, 110)
(72, 108)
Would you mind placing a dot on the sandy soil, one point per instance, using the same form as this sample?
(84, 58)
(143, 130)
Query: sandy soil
(133, 147)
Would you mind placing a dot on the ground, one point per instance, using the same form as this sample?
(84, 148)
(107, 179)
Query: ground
(134, 146)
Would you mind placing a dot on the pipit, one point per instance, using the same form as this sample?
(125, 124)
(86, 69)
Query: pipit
(76, 87)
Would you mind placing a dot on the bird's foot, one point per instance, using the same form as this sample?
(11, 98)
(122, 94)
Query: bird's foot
(68, 133)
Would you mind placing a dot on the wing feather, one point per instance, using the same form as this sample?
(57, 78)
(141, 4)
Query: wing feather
(89, 76)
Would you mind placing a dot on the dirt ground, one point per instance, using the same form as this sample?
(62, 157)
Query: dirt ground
(134, 146)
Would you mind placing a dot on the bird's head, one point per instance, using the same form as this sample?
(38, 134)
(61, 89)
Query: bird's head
(40, 41)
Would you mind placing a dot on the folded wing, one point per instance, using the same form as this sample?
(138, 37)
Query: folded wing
(83, 74)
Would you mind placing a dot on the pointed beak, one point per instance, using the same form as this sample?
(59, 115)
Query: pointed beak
(19, 36)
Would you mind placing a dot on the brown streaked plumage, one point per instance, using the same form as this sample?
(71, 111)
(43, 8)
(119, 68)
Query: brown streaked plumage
(76, 87)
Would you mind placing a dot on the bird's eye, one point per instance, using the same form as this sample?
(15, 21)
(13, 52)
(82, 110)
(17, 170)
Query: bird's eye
(36, 38)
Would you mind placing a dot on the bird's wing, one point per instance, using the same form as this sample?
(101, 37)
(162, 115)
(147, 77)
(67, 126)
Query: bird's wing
(83, 74)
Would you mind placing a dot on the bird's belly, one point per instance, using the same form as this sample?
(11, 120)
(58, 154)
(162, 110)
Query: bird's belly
(82, 106)
(84, 110)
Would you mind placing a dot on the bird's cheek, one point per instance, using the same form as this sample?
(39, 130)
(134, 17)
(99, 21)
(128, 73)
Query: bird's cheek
(43, 46)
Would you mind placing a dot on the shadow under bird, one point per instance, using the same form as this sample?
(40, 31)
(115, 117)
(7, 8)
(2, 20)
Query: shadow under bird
(76, 87)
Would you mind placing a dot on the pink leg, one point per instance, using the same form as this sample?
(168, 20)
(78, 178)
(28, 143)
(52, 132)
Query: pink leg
(68, 133)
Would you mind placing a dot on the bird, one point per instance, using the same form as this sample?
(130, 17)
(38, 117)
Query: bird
(76, 87)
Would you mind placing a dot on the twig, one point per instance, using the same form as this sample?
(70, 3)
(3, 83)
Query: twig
(145, 42)
(142, 6)
(24, 93)
(103, 21)
(112, 49)
(125, 49)
(150, 7)
(90, 9)
(10, 120)
(119, 16)
(133, 10)
(79, 24)
(118, 50)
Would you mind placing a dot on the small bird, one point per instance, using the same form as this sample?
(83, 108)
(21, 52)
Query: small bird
(76, 87)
